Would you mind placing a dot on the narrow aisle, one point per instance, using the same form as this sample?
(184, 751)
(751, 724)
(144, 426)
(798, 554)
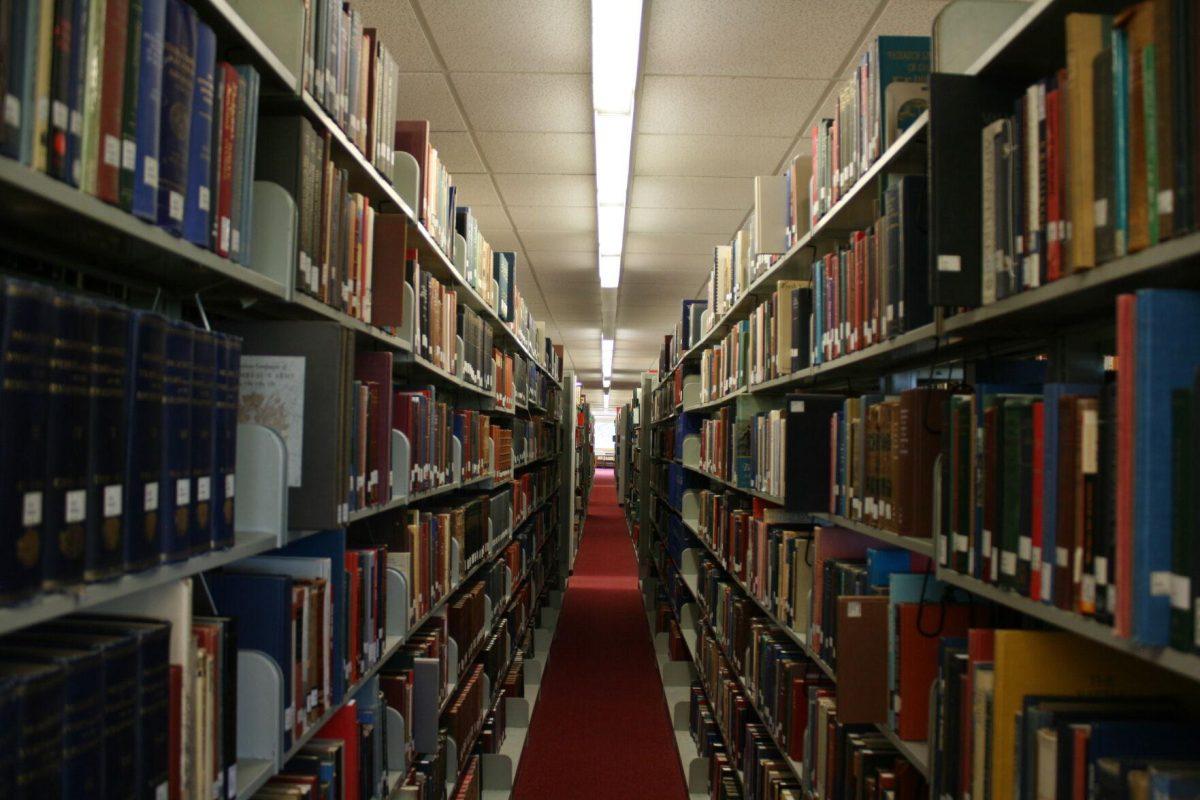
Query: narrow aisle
(600, 728)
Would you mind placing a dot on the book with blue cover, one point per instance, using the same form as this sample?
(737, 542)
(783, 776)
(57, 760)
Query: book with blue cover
(107, 426)
(175, 126)
(149, 110)
(175, 484)
(1167, 354)
(198, 198)
(143, 445)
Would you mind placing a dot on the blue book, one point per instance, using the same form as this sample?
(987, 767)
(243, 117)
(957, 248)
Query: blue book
(330, 544)
(175, 123)
(175, 489)
(149, 110)
(1120, 121)
(1051, 394)
(1166, 355)
(143, 444)
(203, 438)
(1140, 738)
(107, 423)
(898, 59)
(198, 199)
(261, 607)
(225, 410)
(36, 694)
(81, 764)
(1174, 782)
(244, 182)
(24, 313)
(78, 85)
(883, 561)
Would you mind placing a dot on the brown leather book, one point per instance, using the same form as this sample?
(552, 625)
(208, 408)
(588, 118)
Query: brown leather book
(112, 96)
(391, 232)
(920, 431)
(1138, 22)
(1086, 37)
(862, 643)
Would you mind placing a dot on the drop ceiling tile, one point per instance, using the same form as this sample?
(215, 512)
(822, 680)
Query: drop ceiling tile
(686, 220)
(501, 238)
(780, 37)
(401, 31)
(699, 244)
(574, 219)
(492, 221)
(907, 18)
(724, 105)
(457, 152)
(518, 35)
(526, 101)
(474, 190)
(551, 261)
(727, 156)
(548, 190)
(559, 240)
(669, 262)
(426, 95)
(570, 153)
(650, 191)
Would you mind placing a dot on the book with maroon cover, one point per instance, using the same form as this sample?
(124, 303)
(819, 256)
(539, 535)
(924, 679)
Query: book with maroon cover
(112, 96)
(800, 708)
(175, 734)
(343, 725)
(921, 413)
(862, 643)
(1034, 584)
(917, 662)
(1126, 389)
(353, 616)
(223, 190)
(412, 137)
(299, 665)
(1054, 175)
(1068, 468)
(374, 368)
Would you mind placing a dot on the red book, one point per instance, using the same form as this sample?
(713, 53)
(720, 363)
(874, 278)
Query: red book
(981, 643)
(1126, 346)
(1035, 502)
(1081, 737)
(112, 98)
(175, 737)
(800, 687)
(917, 665)
(1053, 232)
(223, 191)
(344, 725)
(375, 369)
(353, 616)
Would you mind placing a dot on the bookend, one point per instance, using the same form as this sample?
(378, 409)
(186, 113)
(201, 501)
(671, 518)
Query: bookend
(407, 332)
(691, 451)
(426, 701)
(406, 177)
(690, 510)
(401, 471)
(398, 611)
(696, 769)
(397, 748)
(460, 255)
(259, 700)
(262, 490)
(691, 390)
(280, 25)
(456, 474)
(276, 221)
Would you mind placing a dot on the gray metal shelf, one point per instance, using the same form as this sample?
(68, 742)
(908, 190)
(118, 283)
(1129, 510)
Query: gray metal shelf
(913, 544)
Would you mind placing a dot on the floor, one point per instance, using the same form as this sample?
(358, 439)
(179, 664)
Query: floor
(600, 728)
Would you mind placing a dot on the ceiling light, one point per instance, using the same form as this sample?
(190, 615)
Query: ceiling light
(610, 272)
(616, 35)
(607, 381)
(613, 134)
(606, 356)
(611, 229)
(606, 399)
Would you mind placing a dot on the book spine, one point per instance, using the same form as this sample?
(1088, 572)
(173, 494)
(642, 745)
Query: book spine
(76, 89)
(143, 451)
(203, 439)
(107, 427)
(175, 481)
(59, 128)
(72, 334)
(225, 441)
(245, 179)
(90, 144)
(112, 98)
(154, 703)
(175, 125)
(198, 195)
(129, 103)
(144, 200)
(240, 144)
(223, 223)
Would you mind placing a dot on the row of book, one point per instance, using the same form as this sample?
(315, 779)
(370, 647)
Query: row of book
(350, 72)
(531, 334)
(540, 391)
(1099, 159)
(120, 439)
(533, 439)
(129, 102)
(532, 488)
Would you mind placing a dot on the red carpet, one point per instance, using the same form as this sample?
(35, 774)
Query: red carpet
(600, 728)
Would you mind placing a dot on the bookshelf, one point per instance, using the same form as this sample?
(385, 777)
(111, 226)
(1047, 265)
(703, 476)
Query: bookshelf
(1066, 325)
(78, 245)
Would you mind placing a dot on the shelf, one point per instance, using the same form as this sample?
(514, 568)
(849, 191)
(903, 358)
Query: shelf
(413, 360)
(365, 329)
(923, 547)
(717, 403)
(752, 492)
(917, 753)
(1185, 664)
(415, 497)
(55, 604)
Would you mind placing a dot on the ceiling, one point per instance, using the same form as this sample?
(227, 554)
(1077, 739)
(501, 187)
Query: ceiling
(725, 91)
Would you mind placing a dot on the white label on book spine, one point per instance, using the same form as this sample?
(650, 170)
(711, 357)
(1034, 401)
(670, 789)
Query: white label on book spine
(229, 485)
(1166, 201)
(160, 792)
(183, 491)
(960, 543)
(235, 239)
(1100, 567)
(12, 110)
(1035, 561)
(75, 506)
(112, 150)
(113, 500)
(76, 122)
(1100, 212)
(150, 496)
(796, 407)
(949, 263)
(986, 539)
(943, 547)
(1087, 591)
(1008, 562)
(202, 198)
(854, 609)
(203, 489)
(150, 171)
(1046, 578)
(1060, 557)
(31, 509)
(289, 717)
(1160, 583)
(58, 114)
(1181, 592)
(128, 154)
(1025, 548)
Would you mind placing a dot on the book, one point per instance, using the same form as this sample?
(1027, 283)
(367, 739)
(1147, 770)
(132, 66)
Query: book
(198, 199)
(144, 199)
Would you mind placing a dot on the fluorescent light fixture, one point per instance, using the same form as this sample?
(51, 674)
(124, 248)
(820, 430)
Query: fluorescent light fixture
(616, 35)
(610, 272)
(607, 381)
(616, 39)
(606, 399)
(606, 356)
(613, 134)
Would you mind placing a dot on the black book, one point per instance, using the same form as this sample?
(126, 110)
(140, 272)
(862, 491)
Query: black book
(806, 450)
(143, 450)
(36, 705)
(107, 425)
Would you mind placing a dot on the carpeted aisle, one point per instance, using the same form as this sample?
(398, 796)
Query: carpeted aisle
(600, 728)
